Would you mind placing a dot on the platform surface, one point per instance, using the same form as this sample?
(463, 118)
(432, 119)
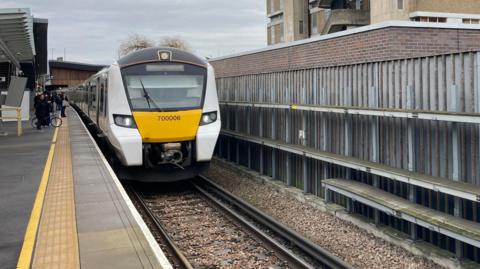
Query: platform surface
(22, 161)
(108, 233)
(61, 205)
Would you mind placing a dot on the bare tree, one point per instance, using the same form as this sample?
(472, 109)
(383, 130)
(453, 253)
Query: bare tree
(133, 43)
(174, 42)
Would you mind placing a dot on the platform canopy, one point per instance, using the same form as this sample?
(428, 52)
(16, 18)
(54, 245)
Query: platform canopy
(16, 36)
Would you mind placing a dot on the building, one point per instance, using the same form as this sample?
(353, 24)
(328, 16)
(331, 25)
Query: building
(68, 74)
(333, 16)
(442, 11)
(288, 20)
(292, 20)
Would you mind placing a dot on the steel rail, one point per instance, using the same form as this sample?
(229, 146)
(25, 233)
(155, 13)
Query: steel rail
(318, 253)
(173, 249)
(280, 250)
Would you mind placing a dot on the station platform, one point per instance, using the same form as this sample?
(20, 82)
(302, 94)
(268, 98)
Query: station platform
(22, 163)
(65, 208)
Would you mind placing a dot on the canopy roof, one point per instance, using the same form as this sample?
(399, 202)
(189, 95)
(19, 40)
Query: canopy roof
(16, 36)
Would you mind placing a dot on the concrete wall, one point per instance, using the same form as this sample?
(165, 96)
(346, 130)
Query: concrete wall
(273, 6)
(384, 10)
(457, 6)
(277, 37)
(341, 18)
(294, 13)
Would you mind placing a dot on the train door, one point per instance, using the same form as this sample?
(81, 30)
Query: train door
(93, 101)
(101, 106)
(105, 112)
(89, 97)
(98, 100)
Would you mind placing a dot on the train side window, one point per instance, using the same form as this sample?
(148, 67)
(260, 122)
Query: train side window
(106, 98)
(93, 100)
(102, 93)
(89, 94)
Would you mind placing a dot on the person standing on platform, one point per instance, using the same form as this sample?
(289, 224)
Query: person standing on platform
(64, 104)
(36, 99)
(42, 111)
(58, 101)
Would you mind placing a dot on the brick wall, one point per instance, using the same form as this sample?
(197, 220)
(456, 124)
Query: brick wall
(387, 43)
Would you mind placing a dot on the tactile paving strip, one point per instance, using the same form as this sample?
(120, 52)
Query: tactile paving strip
(57, 242)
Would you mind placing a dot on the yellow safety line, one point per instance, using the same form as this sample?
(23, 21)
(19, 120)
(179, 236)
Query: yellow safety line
(26, 253)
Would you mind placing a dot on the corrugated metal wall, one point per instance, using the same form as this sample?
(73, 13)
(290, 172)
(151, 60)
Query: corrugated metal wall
(429, 83)
(438, 148)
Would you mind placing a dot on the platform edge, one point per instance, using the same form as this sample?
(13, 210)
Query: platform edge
(157, 251)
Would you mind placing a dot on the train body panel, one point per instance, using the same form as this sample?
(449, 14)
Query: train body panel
(158, 127)
(207, 134)
(158, 110)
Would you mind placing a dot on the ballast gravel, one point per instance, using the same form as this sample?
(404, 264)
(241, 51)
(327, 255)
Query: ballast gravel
(345, 240)
(206, 237)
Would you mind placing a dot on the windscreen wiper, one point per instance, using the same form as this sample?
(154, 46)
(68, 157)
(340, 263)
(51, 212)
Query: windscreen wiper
(147, 96)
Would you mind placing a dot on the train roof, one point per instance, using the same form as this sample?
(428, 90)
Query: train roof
(153, 55)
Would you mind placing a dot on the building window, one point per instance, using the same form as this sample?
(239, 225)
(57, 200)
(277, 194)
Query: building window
(359, 4)
(300, 28)
(282, 37)
(313, 22)
(400, 4)
(471, 21)
(430, 19)
(272, 34)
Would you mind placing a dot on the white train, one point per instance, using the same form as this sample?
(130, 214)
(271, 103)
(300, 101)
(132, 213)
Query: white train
(158, 110)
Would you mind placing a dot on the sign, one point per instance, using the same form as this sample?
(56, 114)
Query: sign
(15, 91)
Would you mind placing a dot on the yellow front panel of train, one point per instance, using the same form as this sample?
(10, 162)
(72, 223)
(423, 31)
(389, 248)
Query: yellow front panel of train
(160, 127)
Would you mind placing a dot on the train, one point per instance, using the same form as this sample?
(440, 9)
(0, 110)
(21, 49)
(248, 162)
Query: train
(157, 111)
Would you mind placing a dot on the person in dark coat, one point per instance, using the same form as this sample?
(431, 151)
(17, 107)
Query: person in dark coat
(42, 111)
(64, 104)
(58, 98)
(36, 99)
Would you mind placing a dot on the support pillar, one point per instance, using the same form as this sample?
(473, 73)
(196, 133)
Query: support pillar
(411, 155)
(457, 207)
(348, 130)
(288, 140)
(350, 207)
(373, 102)
(237, 152)
(477, 110)
(327, 195)
(306, 188)
(229, 149)
(249, 153)
(260, 126)
(324, 121)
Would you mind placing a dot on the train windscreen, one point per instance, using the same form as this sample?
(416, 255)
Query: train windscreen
(164, 86)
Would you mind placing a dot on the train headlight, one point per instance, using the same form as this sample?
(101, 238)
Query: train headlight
(124, 121)
(208, 118)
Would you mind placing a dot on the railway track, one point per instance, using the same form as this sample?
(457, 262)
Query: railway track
(174, 254)
(204, 226)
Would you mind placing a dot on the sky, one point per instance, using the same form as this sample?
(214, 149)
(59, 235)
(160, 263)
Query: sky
(91, 31)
